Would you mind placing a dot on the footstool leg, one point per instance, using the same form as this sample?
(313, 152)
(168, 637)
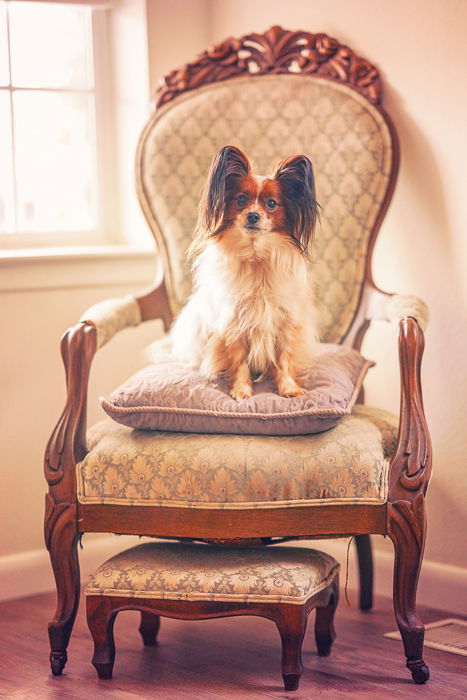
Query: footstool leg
(149, 628)
(292, 626)
(324, 621)
(101, 622)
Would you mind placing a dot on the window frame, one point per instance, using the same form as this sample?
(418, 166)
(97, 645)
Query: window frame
(106, 230)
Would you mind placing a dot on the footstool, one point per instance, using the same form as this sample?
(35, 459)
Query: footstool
(198, 581)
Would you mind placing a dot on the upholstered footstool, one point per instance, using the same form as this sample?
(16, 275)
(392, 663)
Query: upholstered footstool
(198, 581)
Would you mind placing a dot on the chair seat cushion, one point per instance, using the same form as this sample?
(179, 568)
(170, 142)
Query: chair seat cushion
(177, 571)
(345, 465)
(169, 396)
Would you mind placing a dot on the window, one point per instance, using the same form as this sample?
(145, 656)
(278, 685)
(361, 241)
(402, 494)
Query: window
(50, 187)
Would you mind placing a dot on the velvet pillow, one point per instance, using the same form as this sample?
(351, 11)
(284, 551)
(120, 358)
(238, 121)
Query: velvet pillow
(168, 396)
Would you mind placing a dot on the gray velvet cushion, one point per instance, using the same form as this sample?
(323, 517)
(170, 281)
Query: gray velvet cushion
(168, 396)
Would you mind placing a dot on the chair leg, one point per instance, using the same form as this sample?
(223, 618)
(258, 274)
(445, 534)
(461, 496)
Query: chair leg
(101, 621)
(365, 570)
(407, 528)
(149, 628)
(62, 539)
(324, 622)
(292, 626)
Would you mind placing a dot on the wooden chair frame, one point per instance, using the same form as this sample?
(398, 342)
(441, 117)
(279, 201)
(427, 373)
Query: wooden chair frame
(402, 517)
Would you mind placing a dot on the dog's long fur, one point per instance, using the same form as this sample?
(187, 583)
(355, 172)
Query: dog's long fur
(251, 313)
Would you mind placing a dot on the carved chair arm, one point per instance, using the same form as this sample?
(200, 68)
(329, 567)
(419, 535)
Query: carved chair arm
(400, 306)
(410, 468)
(97, 326)
(67, 444)
(110, 316)
(377, 305)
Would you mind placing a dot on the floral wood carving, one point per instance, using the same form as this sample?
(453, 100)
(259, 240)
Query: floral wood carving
(407, 522)
(58, 517)
(406, 526)
(275, 51)
(411, 465)
(78, 348)
(61, 536)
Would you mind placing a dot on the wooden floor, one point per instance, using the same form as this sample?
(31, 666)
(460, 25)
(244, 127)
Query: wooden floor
(228, 658)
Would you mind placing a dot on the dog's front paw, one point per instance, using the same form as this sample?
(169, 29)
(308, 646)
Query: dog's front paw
(290, 393)
(290, 388)
(241, 391)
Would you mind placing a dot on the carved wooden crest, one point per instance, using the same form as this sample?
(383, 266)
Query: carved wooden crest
(275, 51)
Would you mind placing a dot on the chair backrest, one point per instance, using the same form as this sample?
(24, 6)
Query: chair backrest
(275, 95)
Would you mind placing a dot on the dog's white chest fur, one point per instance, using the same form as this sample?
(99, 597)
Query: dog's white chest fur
(251, 297)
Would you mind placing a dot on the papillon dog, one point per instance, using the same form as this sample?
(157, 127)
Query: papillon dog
(251, 314)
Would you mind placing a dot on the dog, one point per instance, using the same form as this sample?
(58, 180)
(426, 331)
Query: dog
(251, 314)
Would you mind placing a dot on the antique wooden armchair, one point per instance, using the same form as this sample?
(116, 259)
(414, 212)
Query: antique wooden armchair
(273, 95)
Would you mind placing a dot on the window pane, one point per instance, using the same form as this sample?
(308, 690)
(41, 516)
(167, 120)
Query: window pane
(6, 168)
(50, 45)
(4, 67)
(55, 161)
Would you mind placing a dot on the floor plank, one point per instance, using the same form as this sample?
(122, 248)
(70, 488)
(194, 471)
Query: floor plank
(217, 659)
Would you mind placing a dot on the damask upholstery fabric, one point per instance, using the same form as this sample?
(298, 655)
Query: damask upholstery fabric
(271, 118)
(176, 571)
(401, 306)
(345, 465)
(111, 316)
(170, 396)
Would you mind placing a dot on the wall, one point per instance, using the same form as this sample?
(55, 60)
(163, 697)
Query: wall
(177, 31)
(33, 320)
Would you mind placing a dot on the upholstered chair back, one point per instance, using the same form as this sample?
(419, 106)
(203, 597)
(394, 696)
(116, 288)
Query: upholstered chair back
(272, 117)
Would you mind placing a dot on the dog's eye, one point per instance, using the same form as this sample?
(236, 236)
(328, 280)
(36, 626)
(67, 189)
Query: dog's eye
(271, 204)
(242, 200)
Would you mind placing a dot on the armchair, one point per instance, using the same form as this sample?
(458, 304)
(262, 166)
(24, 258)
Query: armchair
(273, 95)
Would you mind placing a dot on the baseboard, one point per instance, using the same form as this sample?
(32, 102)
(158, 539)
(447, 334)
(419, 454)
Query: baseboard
(441, 586)
(30, 573)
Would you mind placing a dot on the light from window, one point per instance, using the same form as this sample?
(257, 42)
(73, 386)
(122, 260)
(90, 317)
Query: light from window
(4, 69)
(47, 121)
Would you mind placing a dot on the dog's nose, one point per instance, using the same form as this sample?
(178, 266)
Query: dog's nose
(252, 217)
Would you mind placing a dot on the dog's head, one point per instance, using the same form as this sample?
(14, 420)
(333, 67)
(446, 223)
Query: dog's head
(236, 200)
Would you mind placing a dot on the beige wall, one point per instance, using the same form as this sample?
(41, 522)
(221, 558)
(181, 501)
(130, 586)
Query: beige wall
(41, 296)
(422, 249)
(421, 48)
(33, 382)
(177, 31)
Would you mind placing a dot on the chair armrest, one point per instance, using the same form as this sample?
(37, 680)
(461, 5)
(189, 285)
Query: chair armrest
(97, 326)
(110, 316)
(400, 306)
(410, 468)
(67, 444)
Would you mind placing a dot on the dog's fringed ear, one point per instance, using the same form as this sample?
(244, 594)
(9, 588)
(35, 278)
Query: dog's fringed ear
(229, 164)
(297, 182)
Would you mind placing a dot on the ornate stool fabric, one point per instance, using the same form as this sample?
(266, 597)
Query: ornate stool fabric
(199, 581)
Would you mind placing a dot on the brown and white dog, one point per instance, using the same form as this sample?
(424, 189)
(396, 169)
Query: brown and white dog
(251, 313)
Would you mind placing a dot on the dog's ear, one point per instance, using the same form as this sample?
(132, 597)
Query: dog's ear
(297, 182)
(228, 165)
